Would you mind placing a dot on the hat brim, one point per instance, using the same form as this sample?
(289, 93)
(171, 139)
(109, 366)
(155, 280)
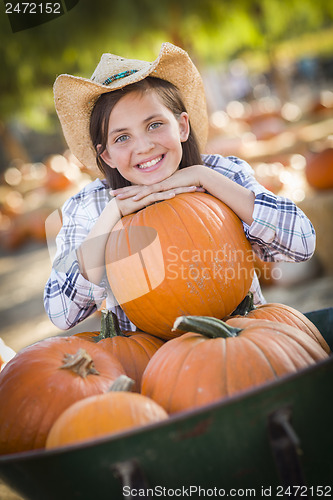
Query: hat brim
(75, 98)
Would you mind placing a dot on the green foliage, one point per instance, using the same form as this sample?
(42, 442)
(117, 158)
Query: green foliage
(211, 30)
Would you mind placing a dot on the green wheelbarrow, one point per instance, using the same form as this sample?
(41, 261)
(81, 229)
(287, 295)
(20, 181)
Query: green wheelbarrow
(275, 441)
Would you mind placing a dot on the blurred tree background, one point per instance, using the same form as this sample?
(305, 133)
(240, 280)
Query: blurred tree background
(261, 31)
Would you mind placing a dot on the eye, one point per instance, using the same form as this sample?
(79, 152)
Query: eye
(122, 138)
(155, 125)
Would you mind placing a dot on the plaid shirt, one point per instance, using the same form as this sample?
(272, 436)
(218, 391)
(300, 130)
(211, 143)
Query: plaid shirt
(279, 231)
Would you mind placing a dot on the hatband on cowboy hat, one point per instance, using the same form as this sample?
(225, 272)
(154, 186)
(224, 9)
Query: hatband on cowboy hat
(75, 96)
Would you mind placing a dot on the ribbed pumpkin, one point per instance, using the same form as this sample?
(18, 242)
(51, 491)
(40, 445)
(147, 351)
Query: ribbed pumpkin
(133, 349)
(104, 414)
(280, 313)
(42, 380)
(183, 256)
(224, 359)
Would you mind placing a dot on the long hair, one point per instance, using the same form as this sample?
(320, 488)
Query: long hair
(99, 122)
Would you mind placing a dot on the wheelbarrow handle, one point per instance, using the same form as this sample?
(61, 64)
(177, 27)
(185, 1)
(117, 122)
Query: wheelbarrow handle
(286, 448)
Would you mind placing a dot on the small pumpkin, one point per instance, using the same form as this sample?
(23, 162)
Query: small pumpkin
(281, 313)
(133, 349)
(187, 255)
(215, 360)
(42, 380)
(104, 414)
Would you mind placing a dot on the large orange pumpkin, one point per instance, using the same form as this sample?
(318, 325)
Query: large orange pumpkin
(223, 359)
(133, 349)
(104, 414)
(42, 380)
(184, 256)
(280, 313)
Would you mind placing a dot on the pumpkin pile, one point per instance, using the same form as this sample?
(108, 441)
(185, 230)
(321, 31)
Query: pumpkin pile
(64, 390)
(133, 349)
(44, 379)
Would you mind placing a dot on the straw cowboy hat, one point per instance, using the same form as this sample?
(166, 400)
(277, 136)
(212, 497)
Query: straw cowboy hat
(75, 97)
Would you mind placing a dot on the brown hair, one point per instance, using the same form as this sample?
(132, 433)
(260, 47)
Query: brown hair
(99, 122)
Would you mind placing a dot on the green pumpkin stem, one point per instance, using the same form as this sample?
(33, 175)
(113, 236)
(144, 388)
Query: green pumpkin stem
(109, 325)
(206, 325)
(245, 306)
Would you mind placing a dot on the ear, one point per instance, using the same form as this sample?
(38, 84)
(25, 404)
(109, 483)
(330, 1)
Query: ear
(184, 127)
(106, 157)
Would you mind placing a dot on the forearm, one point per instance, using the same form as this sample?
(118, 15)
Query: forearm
(236, 197)
(91, 253)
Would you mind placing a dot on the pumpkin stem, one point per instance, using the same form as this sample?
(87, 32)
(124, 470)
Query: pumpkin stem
(206, 325)
(122, 383)
(80, 363)
(245, 306)
(110, 325)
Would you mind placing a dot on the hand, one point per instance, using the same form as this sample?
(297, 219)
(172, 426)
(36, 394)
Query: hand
(182, 181)
(132, 198)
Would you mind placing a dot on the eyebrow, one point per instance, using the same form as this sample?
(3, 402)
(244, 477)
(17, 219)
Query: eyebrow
(117, 131)
(122, 130)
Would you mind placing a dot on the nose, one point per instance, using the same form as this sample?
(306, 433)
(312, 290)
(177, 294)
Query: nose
(143, 144)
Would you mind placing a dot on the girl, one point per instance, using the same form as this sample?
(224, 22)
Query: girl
(144, 125)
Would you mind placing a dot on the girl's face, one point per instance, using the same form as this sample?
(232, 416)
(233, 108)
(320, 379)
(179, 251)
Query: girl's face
(144, 138)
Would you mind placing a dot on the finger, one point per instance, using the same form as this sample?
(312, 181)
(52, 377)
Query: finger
(185, 189)
(125, 189)
(149, 189)
(162, 186)
(154, 197)
(127, 192)
(177, 190)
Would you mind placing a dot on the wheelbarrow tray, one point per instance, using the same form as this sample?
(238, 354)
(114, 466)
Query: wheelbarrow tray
(277, 434)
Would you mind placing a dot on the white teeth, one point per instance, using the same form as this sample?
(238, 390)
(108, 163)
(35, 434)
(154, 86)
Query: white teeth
(150, 163)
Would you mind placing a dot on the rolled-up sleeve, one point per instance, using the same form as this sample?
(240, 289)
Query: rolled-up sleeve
(68, 296)
(280, 230)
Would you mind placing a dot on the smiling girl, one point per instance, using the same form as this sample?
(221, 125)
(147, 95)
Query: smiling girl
(144, 125)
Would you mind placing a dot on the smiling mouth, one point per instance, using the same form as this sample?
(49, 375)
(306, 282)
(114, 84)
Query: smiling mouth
(150, 163)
